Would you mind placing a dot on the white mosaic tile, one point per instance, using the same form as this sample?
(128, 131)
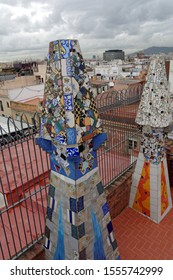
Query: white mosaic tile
(154, 108)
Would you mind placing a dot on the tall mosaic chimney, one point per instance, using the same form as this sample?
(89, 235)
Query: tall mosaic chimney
(78, 223)
(150, 191)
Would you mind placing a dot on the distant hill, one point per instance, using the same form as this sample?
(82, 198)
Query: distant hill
(156, 50)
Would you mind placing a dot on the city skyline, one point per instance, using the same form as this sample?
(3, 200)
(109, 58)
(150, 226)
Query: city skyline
(27, 27)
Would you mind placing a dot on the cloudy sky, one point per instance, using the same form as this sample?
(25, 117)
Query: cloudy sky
(27, 26)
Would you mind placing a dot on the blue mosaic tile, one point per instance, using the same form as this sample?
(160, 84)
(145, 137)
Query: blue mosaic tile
(72, 152)
(48, 244)
(68, 102)
(44, 144)
(74, 231)
(73, 44)
(98, 249)
(52, 191)
(100, 188)
(80, 204)
(49, 213)
(47, 232)
(114, 245)
(71, 136)
(110, 227)
(73, 205)
(61, 138)
(105, 208)
(68, 67)
(65, 52)
(81, 230)
(56, 56)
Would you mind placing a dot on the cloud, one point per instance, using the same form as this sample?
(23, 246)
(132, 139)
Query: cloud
(26, 27)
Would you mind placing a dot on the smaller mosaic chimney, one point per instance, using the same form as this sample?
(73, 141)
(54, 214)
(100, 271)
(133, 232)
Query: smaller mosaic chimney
(78, 223)
(150, 191)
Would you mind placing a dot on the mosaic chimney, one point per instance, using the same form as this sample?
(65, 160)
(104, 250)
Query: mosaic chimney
(78, 223)
(150, 191)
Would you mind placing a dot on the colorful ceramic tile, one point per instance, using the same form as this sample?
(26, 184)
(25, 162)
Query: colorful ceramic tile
(71, 136)
(68, 102)
(61, 138)
(49, 213)
(67, 81)
(74, 232)
(47, 243)
(47, 232)
(75, 87)
(68, 67)
(152, 144)
(67, 89)
(70, 121)
(164, 191)
(64, 49)
(105, 208)
(155, 106)
(72, 152)
(114, 245)
(51, 202)
(81, 230)
(100, 188)
(80, 203)
(74, 45)
(142, 198)
(73, 205)
(110, 227)
(71, 217)
(64, 67)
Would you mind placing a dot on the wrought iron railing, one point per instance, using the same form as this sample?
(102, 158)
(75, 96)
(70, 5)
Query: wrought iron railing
(115, 160)
(24, 171)
(24, 178)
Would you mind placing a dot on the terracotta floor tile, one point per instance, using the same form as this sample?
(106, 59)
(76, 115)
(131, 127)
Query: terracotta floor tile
(140, 238)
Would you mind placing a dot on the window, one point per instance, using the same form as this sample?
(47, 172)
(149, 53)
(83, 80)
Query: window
(1, 106)
(8, 105)
(132, 144)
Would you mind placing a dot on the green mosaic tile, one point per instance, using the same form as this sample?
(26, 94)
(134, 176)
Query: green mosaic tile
(74, 231)
(81, 230)
(100, 188)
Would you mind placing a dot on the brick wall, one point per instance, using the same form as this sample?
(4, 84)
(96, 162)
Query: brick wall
(118, 193)
(36, 252)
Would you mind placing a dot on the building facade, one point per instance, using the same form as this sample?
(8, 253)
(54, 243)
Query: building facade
(113, 54)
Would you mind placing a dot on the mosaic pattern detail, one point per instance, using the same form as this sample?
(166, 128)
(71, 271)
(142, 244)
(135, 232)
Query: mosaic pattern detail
(153, 145)
(68, 97)
(142, 198)
(60, 249)
(164, 192)
(98, 249)
(154, 114)
(155, 106)
(71, 133)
